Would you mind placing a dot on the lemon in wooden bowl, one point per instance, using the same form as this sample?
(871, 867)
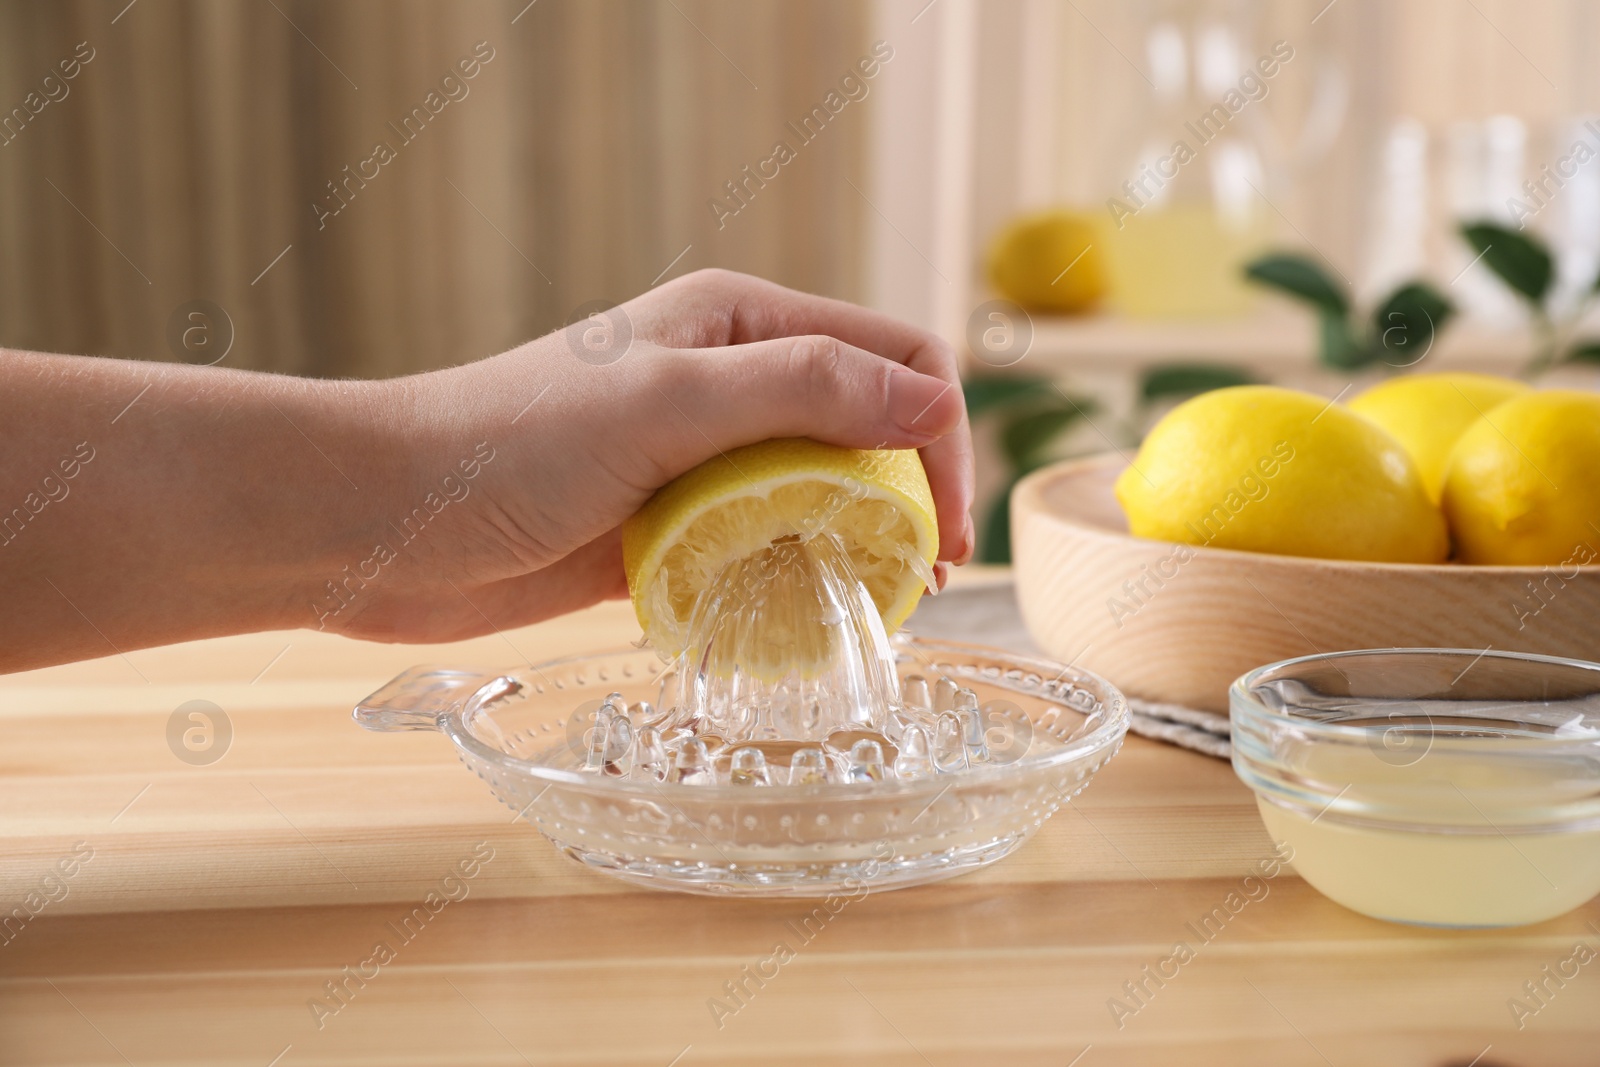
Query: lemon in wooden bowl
(1265, 469)
(1428, 413)
(1175, 622)
(1257, 524)
(1523, 483)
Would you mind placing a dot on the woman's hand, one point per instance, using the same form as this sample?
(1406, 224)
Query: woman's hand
(567, 436)
(142, 504)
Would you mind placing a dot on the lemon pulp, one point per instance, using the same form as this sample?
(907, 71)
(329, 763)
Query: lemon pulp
(774, 574)
(877, 504)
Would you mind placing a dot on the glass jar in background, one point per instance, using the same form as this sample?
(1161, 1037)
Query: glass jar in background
(1195, 195)
(1185, 213)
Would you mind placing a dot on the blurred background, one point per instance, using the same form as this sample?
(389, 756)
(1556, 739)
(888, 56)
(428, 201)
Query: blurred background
(203, 180)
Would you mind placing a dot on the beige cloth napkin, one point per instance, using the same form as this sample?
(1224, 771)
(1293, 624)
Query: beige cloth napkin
(1202, 731)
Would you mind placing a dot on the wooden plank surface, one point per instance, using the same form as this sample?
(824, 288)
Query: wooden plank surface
(220, 901)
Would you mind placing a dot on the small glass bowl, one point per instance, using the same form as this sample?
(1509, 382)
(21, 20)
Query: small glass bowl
(519, 731)
(1443, 787)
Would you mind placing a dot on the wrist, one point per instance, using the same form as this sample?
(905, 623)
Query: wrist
(359, 462)
(414, 531)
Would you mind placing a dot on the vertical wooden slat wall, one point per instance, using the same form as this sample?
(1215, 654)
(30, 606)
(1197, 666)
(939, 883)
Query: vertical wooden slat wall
(188, 152)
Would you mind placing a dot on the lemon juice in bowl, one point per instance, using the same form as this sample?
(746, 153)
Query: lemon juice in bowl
(1443, 787)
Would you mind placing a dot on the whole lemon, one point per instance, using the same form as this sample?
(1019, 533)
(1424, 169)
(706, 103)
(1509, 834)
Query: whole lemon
(1427, 413)
(1523, 484)
(1265, 469)
(1049, 262)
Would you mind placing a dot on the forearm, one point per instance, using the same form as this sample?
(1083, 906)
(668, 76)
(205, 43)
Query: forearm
(147, 503)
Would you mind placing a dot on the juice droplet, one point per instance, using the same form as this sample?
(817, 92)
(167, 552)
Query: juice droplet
(808, 766)
(866, 761)
(916, 754)
(692, 765)
(598, 737)
(619, 745)
(748, 766)
(972, 730)
(949, 744)
(915, 690)
(650, 758)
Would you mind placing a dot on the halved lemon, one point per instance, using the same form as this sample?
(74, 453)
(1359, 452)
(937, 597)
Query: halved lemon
(876, 502)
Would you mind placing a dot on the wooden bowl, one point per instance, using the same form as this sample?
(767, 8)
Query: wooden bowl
(1178, 623)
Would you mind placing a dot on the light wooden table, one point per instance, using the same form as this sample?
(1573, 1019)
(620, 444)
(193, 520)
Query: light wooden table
(221, 899)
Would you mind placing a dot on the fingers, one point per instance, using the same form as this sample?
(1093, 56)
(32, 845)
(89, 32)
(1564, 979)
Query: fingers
(740, 310)
(969, 537)
(948, 462)
(760, 310)
(749, 309)
(810, 386)
(815, 387)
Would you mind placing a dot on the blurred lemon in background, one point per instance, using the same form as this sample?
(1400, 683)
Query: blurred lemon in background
(1049, 262)
(1427, 413)
(1266, 469)
(1522, 486)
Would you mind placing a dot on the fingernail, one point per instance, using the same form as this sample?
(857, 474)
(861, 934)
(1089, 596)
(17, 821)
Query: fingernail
(969, 543)
(917, 404)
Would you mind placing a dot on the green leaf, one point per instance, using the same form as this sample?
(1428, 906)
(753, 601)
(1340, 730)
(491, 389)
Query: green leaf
(1002, 391)
(1584, 352)
(1521, 260)
(1341, 349)
(1190, 379)
(1405, 325)
(1026, 438)
(1301, 277)
(995, 544)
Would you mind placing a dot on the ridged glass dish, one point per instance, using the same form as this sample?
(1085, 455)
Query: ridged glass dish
(530, 733)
